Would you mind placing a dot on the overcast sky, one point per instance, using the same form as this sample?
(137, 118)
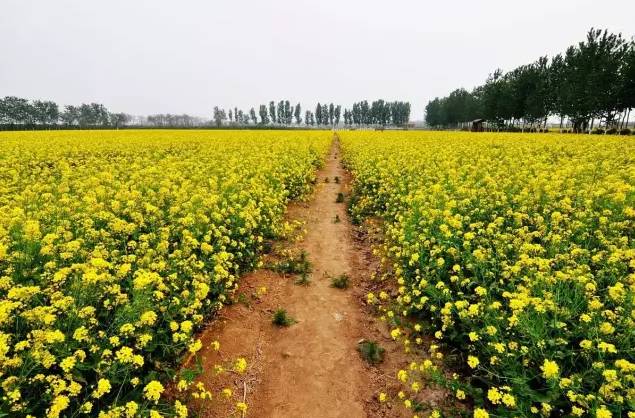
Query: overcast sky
(158, 56)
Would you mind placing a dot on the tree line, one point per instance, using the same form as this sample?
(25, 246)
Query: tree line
(19, 113)
(378, 112)
(593, 81)
(283, 113)
(168, 120)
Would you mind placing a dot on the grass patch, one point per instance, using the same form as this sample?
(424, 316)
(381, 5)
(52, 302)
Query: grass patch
(303, 280)
(371, 351)
(282, 319)
(295, 264)
(243, 300)
(340, 282)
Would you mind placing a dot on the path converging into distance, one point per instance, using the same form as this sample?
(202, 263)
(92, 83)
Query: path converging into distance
(312, 368)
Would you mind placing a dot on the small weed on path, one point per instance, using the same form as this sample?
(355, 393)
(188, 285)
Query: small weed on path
(303, 280)
(340, 282)
(340, 198)
(242, 299)
(294, 264)
(371, 351)
(282, 319)
(337, 179)
(337, 219)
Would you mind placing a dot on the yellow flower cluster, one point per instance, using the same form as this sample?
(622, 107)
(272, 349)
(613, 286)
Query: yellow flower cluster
(517, 250)
(116, 245)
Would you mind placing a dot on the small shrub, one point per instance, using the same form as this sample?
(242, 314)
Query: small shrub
(340, 282)
(371, 351)
(340, 198)
(337, 179)
(337, 219)
(303, 280)
(326, 180)
(282, 319)
(625, 131)
(611, 131)
(243, 300)
(293, 265)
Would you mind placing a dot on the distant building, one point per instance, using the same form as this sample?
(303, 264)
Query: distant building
(477, 125)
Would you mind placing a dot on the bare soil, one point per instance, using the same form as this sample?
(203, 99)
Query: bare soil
(312, 368)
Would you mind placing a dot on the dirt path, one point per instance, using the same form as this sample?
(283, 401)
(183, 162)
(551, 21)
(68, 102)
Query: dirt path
(312, 368)
(322, 373)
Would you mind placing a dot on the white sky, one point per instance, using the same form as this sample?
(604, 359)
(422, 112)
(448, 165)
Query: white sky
(157, 56)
